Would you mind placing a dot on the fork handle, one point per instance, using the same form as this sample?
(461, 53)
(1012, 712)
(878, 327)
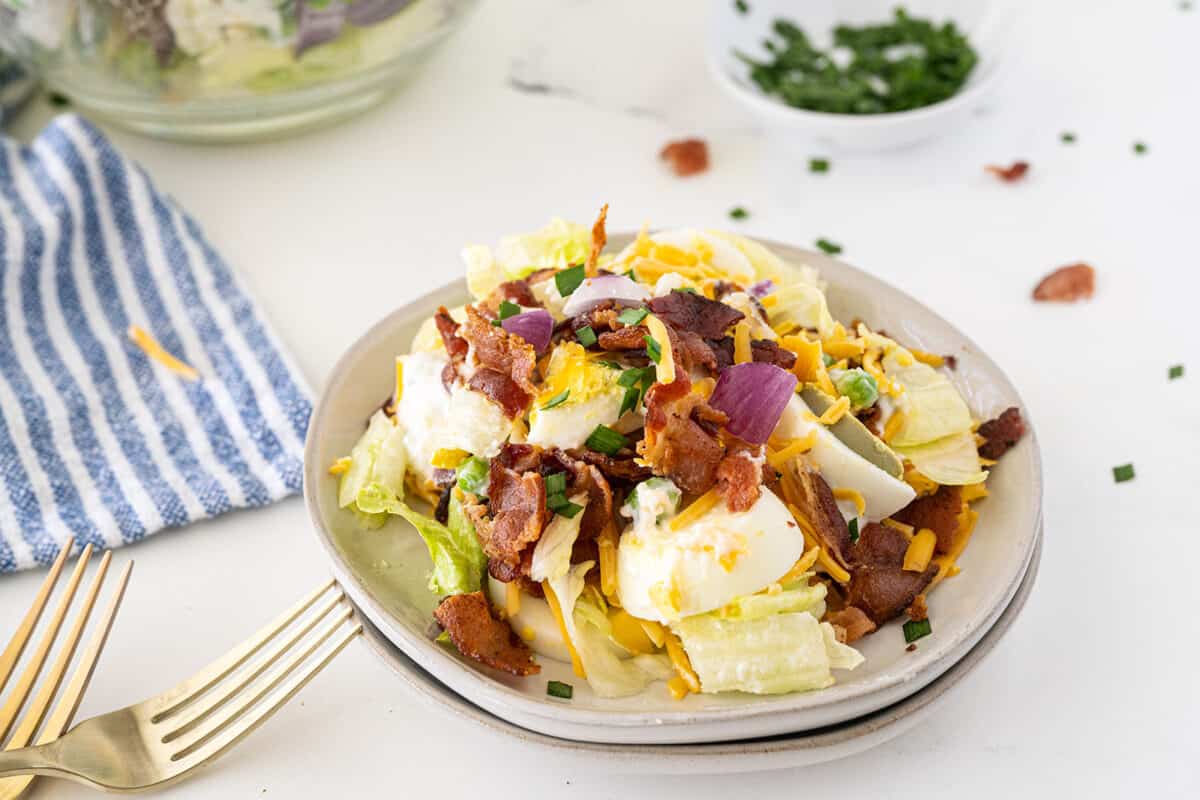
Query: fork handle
(32, 761)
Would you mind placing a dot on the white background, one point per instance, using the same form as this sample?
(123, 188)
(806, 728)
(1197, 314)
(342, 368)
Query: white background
(1094, 691)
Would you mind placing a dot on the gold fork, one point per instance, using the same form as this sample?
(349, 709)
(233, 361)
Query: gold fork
(24, 728)
(161, 740)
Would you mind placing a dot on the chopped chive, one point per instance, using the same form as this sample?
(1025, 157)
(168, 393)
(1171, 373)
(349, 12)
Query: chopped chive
(653, 349)
(629, 273)
(568, 280)
(818, 165)
(630, 377)
(1140, 148)
(630, 401)
(853, 529)
(742, 6)
(508, 309)
(1067, 137)
(916, 629)
(633, 316)
(556, 483)
(605, 440)
(58, 100)
(1123, 473)
(827, 359)
(688, 289)
(586, 336)
(557, 400)
(1175, 372)
(610, 364)
(832, 248)
(559, 504)
(738, 213)
(496, 323)
(562, 691)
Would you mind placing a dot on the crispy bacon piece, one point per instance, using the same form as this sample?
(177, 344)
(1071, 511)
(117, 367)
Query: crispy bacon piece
(692, 350)
(514, 292)
(852, 623)
(587, 478)
(879, 585)
(599, 239)
(1067, 284)
(628, 338)
(675, 445)
(456, 346)
(621, 469)
(820, 506)
(501, 390)
(938, 512)
(686, 156)
(468, 620)
(951, 362)
(687, 311)
(1011, 173)
(1001, 433)
(761, 350)
(739, 476)
(918, 611)
(518, 515)
(505, 364)
(601, 318)
(870, 417)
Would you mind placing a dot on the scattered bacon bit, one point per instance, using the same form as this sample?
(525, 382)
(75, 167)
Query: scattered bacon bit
(456, 346)
(588, 478)
(468, 620)
(739, 476)
(513, 291)
(1010, 173)
(624, 469)
(506, 364)
(870, 417)
(951, 362)
(1067, 284)
(761, 351)
(938, 512)
(599, 239)
(1001, 433)
(695, 312)
(629, 338)
(879, 546)
(879, 585)
(912, 648)
(675, 444)
(518, 514)
(686, 156)
(918, 611)
(852, 622)
(821, 508)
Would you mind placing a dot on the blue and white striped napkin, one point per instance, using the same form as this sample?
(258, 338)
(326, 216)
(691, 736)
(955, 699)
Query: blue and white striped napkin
(97, 441)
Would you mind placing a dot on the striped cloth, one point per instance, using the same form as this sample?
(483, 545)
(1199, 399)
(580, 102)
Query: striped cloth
(97, 441)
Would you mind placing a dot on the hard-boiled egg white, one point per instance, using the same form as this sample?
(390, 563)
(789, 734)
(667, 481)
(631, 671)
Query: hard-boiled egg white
(593, 398)
(534, 622)
(434, 419)
(841, 467)
(665, 575)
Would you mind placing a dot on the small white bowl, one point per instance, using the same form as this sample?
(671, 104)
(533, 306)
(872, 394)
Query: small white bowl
(986, 24)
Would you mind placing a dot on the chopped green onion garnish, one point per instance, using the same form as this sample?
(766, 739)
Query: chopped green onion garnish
(827, 359)
(508, 309)
(630, 401)
(561, 690)
(496, 323)
(1175, 372)
(818, 165)
(914, 630)
(633, 316)
(629, 273)
(1140, 148)
(1123, 473)
(605, 440)
(586, 336)
(859, 385)
(832, 248)
(556, 483)
(742, 6)
(853, 526)
(610, 364)
(568, 280)
(557, 400)
(58, 100)
(473, 476)
(738, 213)
(653, 349)
(559, 504)
(688, 289)
(630, 377)
(1067, 137)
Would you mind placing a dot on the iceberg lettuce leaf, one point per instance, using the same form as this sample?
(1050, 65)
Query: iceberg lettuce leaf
(952, 460)
(933, 408)
(459, 563)
(795, 597)
(377, 458)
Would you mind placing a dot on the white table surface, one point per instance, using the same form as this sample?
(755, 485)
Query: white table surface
(1094, 691)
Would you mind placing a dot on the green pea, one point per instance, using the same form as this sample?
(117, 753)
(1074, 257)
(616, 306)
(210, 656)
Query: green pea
(857, 385)
(473, 476)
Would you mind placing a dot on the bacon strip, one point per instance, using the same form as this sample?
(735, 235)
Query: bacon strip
(821, 508)
(688, 311)
(468, 620)
(675, 444)
(599, 239)
(504, 372)
(514, 292)
(852, 622)
(518, 515)
(1001, 434)
(739, 476)
(938, 512)
(879, 585)
(1067, 284)
(456, 346)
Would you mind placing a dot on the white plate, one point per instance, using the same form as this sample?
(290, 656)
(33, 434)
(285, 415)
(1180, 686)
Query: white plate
(384, 571)
(781, 752)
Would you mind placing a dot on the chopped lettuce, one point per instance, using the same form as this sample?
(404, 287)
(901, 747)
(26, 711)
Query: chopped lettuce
(775, 654)
(952, 460)
(767, 265)
(552, 554)
(933, 408)
(802, 304)
(377, 465)
(795, 597)
(559, 244)
(459, 563)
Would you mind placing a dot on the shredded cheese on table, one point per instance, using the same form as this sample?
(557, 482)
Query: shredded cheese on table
(743, 353)
(699, 507)
(920, 551)
(665, 368)
(835, 412)
(854, 496)
(556, 610)
(156, 352)
(339, 466)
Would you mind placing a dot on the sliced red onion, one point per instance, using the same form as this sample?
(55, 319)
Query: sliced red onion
(369, 12)
(753, 396)
(534, 327)
(594, 291)
(761, 289)
(315, 25)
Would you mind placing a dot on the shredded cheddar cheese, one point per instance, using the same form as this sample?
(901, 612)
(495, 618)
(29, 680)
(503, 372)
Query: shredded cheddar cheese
(703, 387)
(973, 492)
(831, 567)
(670, 254)
(699, 507)
(892, 427)
(920, 484)
(920, 551)
(742, 352)
(339, 466)
(556, 610)
(156, 352)
(907, 530)
(665, 368)
(628, 633)
(835, 412)
(770, 301)
(808, 366)
(606, 543)
(655, 632)
(512, 599)
(448, 459)
(399, 390)
(802, 565)
(678, 688)
(784, 328)
(793, 448)
(948, 564)
(845, 348)
(854, 496)
(931, 359)
(527, 634)
(681, 662)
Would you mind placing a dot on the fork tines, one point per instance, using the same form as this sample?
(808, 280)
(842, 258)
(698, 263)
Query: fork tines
(21, 718)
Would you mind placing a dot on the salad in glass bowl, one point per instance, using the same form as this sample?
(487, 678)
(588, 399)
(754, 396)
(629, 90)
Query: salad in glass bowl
(225, 69)
(669, 463)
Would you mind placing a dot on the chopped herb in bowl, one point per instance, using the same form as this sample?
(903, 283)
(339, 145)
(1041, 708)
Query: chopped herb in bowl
(899, 65)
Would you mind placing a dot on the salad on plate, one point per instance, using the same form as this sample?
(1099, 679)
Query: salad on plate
(670, 463)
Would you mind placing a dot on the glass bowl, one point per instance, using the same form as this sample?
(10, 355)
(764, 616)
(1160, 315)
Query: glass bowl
(226, 70)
